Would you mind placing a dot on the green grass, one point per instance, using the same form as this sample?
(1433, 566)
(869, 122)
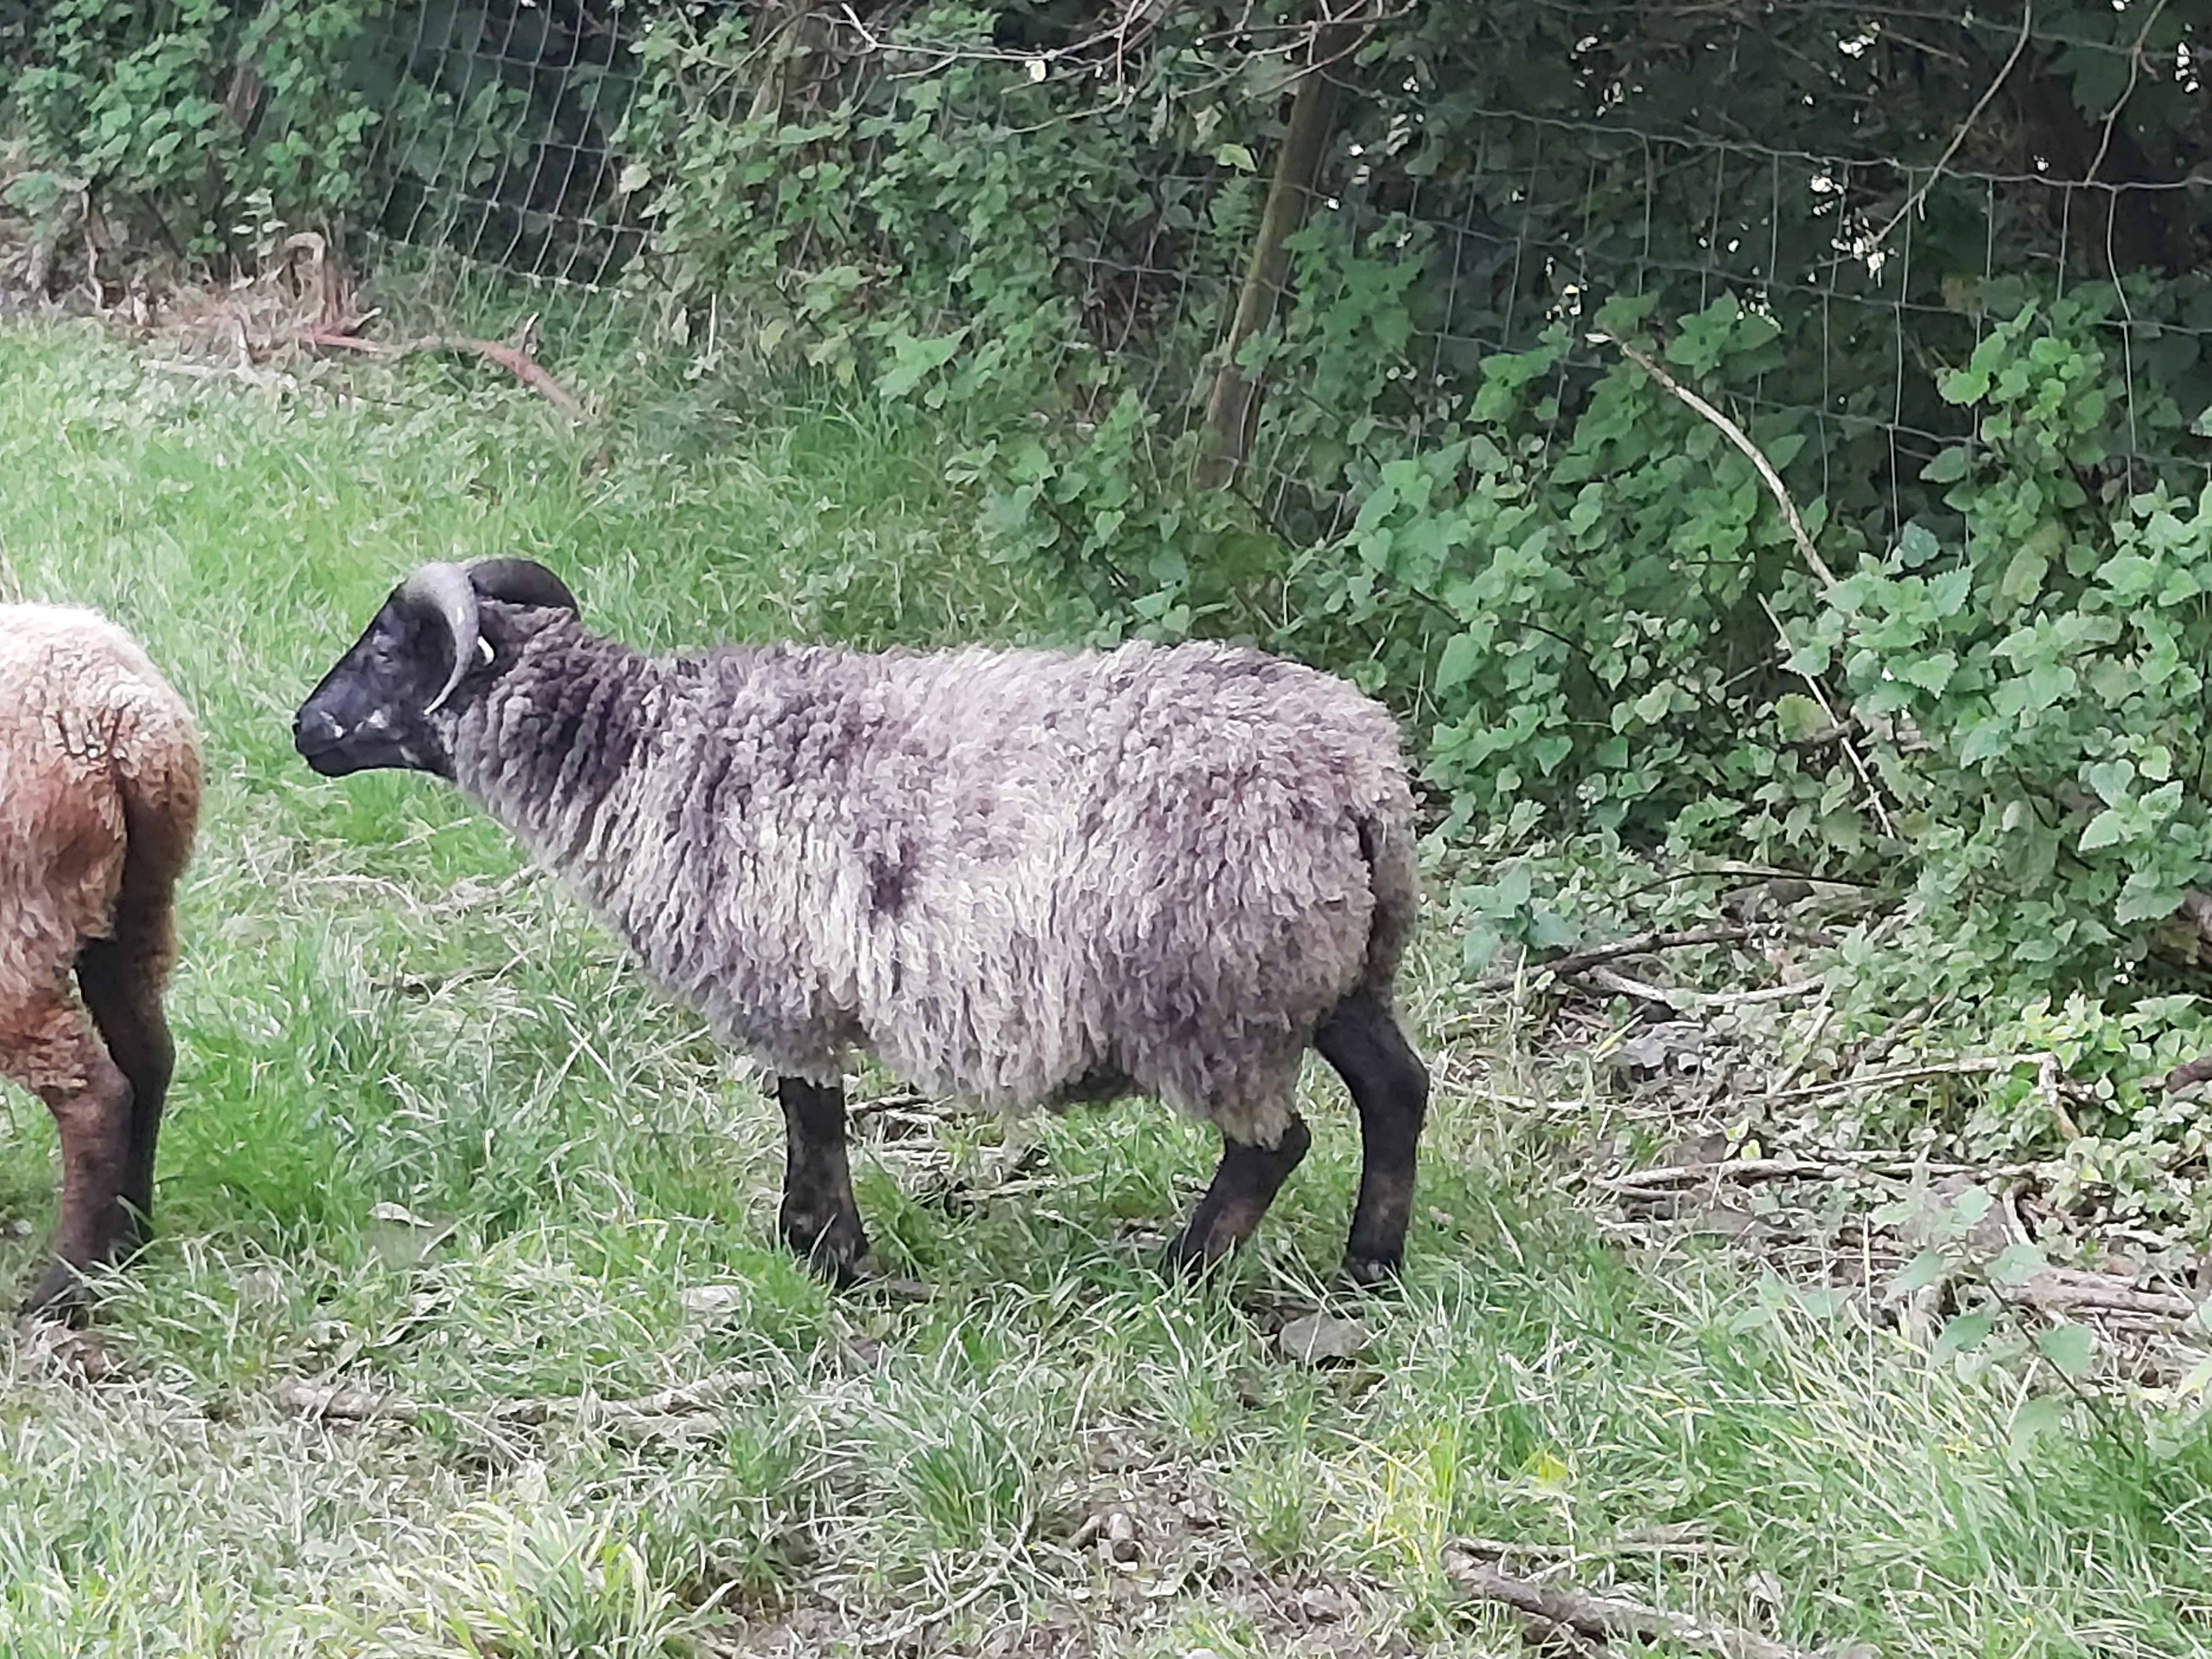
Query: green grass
(380, 1017)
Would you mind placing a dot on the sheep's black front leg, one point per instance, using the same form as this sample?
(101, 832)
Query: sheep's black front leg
(819, 1218)
(1245, 1184)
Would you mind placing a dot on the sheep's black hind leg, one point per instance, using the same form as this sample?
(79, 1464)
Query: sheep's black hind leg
(122, 990)
(1390, 1087)
(1245, 1184)
(819, 1218)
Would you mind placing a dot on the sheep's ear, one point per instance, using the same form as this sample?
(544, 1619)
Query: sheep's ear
(520, 582)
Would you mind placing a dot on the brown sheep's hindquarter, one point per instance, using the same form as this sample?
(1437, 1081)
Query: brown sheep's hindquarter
(93, 839)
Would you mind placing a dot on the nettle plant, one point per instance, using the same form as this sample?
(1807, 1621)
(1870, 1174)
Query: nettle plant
(2041, 666)
(1997, 718)
(1600, 598)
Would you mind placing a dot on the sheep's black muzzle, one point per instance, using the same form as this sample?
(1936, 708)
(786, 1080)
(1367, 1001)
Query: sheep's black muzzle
(320, 741)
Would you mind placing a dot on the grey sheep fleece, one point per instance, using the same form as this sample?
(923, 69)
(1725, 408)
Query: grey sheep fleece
(1021, 877)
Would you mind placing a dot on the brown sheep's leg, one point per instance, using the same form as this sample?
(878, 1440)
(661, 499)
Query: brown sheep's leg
(1245, 1184)
(53, 1051)
(1390, 1087)
(121, 979)
(820, 1219)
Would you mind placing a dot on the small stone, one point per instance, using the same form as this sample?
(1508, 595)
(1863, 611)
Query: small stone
(1320, 1604)
(1120, 1533)
(713, 1301)
(1319, 1338)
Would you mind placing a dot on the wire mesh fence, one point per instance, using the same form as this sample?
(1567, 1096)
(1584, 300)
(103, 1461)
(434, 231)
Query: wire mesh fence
(1882, 253)
(499, 136)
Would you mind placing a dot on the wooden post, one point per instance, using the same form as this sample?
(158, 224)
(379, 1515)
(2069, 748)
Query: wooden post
(1233, 410)
(784, 47)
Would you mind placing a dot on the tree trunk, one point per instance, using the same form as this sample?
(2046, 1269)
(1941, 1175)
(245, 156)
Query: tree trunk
(1233, 410)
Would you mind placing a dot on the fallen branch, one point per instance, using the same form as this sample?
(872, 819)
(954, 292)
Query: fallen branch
(1673, 1177)
(1597, 1617)
(514, 359)
(1864, 1080)
(2189, 1074)
(703, 1395)
(329, 1403)
(1686, 1538)
(2066, 1290)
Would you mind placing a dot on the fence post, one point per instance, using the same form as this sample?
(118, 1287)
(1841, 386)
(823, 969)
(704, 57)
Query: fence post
(1232, 410)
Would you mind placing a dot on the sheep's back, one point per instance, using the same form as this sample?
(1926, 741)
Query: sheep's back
(1146, 864)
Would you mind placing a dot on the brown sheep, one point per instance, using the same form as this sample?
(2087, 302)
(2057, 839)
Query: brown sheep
(99, 795)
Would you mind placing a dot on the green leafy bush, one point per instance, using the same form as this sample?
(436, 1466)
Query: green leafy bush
(184, 109)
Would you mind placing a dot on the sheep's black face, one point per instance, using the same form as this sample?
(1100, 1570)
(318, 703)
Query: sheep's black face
(369, 711)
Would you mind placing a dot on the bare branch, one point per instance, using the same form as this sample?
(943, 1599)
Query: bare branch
(1636, 945)
(1920, 194)
(1735, 435)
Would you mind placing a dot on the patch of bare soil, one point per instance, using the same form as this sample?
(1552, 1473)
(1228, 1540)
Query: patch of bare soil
(1144, 1537)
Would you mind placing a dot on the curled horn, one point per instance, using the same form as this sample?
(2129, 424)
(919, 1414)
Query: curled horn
(446, 589)
(520, 582)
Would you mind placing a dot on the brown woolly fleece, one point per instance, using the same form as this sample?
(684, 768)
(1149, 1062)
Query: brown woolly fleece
(100, 793)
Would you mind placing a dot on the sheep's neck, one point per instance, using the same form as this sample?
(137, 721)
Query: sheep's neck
(558, 735)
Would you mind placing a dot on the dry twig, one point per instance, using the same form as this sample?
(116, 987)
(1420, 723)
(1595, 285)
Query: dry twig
(1636, 945)
(2026, 25)
(1981, 1066)
(1597, 1617)
(514, 359)
(1736, 435)
(1673, 1177)
(1676, 997)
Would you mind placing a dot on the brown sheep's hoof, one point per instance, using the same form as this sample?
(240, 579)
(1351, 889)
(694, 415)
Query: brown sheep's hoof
(62, 1295)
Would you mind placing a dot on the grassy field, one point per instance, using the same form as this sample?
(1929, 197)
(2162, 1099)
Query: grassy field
(432, 1138)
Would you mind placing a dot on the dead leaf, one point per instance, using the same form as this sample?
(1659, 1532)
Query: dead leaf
(1670, 1045)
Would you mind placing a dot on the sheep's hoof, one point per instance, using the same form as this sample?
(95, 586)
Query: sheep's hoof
(62, 1296)
(1373, 1272)
(836, 1249)
(1187, 1257)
